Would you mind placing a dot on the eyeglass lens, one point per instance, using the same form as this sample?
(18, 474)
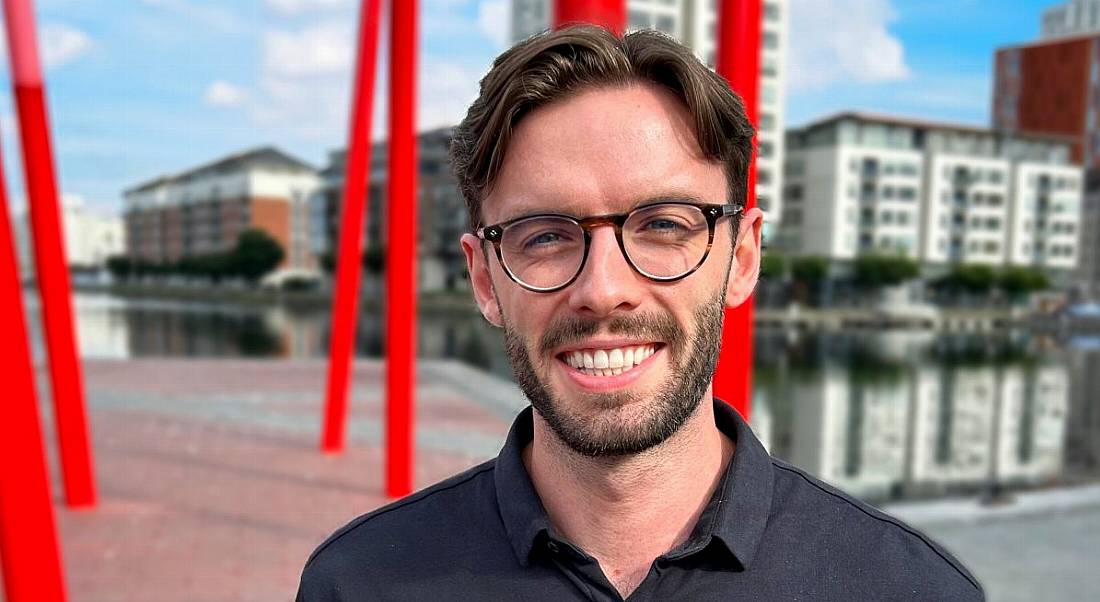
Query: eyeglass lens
(661, 241)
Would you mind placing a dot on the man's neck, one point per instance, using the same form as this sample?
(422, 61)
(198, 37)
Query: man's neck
(627, 511)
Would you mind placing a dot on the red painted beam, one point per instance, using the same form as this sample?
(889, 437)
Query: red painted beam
(738, 58)
(345, 300)
(401, 253)
(609, 14)
(52, 272)
(29, 552)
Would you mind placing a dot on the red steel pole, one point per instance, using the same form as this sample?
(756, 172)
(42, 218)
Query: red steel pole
(610, 14)
(52, 273)
(29, 552)
(401, 253)
(345, 300)
(738, 58)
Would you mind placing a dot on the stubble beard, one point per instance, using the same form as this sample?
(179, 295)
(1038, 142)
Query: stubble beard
(618, 423)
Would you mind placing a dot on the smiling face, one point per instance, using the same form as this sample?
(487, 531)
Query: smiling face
(615, 363)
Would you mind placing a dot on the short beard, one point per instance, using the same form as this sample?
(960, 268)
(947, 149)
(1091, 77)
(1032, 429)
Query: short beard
(691, 369)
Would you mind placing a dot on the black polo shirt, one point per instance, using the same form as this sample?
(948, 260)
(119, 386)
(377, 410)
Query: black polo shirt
(770, 532)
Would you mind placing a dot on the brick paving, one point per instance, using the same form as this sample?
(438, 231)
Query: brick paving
(211, 483)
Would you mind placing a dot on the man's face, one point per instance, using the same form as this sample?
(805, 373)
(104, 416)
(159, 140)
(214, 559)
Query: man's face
(608, 151)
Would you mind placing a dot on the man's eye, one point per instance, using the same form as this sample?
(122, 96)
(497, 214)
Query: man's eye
(544, 239)
(662, 225)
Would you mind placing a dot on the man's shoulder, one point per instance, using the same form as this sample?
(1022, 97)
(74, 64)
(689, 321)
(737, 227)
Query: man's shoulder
(857, 538)
(407, 527)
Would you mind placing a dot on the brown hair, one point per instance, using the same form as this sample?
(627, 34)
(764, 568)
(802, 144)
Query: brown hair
(559, 64)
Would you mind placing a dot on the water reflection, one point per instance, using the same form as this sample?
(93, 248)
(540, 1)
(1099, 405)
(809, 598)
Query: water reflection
(896, 414)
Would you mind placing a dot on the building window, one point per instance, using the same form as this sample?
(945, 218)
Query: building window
(771, 12)
(764, 149)
(771, 40)
(767, 122)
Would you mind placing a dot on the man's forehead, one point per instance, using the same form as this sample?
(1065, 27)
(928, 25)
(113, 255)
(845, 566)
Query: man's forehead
(603, 151)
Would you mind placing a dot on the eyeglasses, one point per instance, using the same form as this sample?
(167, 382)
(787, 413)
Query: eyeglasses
(663, 241)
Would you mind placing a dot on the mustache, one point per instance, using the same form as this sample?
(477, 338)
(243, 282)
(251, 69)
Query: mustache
(567, 330)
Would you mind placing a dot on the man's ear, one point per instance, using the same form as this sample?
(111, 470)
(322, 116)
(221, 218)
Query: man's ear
(480, 279)
(746, 259)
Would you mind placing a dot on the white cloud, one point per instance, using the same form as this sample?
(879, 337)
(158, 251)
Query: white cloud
(843, 40)
(58, 44)
(321, 48)
(62, 44)
(224, 94)
(304, 80)
(294, 7)
(494, 20)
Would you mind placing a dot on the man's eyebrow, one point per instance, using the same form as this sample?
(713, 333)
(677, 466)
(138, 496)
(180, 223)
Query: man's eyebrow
(570, 210)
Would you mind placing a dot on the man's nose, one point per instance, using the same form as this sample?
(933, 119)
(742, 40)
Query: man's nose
(607, 283)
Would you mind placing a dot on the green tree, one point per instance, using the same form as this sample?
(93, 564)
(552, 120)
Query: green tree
(808, 274)
(1019, 282)
(811, 270)
(876, 271)
(773, 266)
(968, 278)
(120, 267)
(256, 254)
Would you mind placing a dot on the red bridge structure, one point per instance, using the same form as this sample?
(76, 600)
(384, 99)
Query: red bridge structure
(29, 552)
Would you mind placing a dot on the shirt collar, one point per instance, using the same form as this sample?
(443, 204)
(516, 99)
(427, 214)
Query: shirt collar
(735, 516)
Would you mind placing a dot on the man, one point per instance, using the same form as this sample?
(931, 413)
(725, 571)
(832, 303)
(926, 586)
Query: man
(605, 179)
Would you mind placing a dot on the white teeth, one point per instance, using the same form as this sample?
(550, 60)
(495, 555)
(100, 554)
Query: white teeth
(615, 358)
(608, 362)
(600, 357)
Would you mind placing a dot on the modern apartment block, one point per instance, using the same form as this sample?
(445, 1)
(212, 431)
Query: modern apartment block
(441, 213)
(1053, 87)
(203, 210)
(939, 193)
(694, 23)
(1070, 18)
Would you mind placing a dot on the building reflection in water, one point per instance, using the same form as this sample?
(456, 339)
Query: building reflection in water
(889, 415)
(946, 415)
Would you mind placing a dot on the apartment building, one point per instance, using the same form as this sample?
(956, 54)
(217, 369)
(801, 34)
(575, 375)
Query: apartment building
(1052, 86)
(441, 210)
(1070, 18)
(203, 210)
(694, 22)
(938, 193)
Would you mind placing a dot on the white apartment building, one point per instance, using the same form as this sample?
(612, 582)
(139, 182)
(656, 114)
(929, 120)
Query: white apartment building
(1070, 18)
(694, 22)
(203, 210)
(91, 236)
(859, 183)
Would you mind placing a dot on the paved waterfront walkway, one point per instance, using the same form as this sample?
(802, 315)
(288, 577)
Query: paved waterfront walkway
(212, 487)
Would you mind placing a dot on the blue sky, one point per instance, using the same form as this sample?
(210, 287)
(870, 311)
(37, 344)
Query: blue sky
(142, 87)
